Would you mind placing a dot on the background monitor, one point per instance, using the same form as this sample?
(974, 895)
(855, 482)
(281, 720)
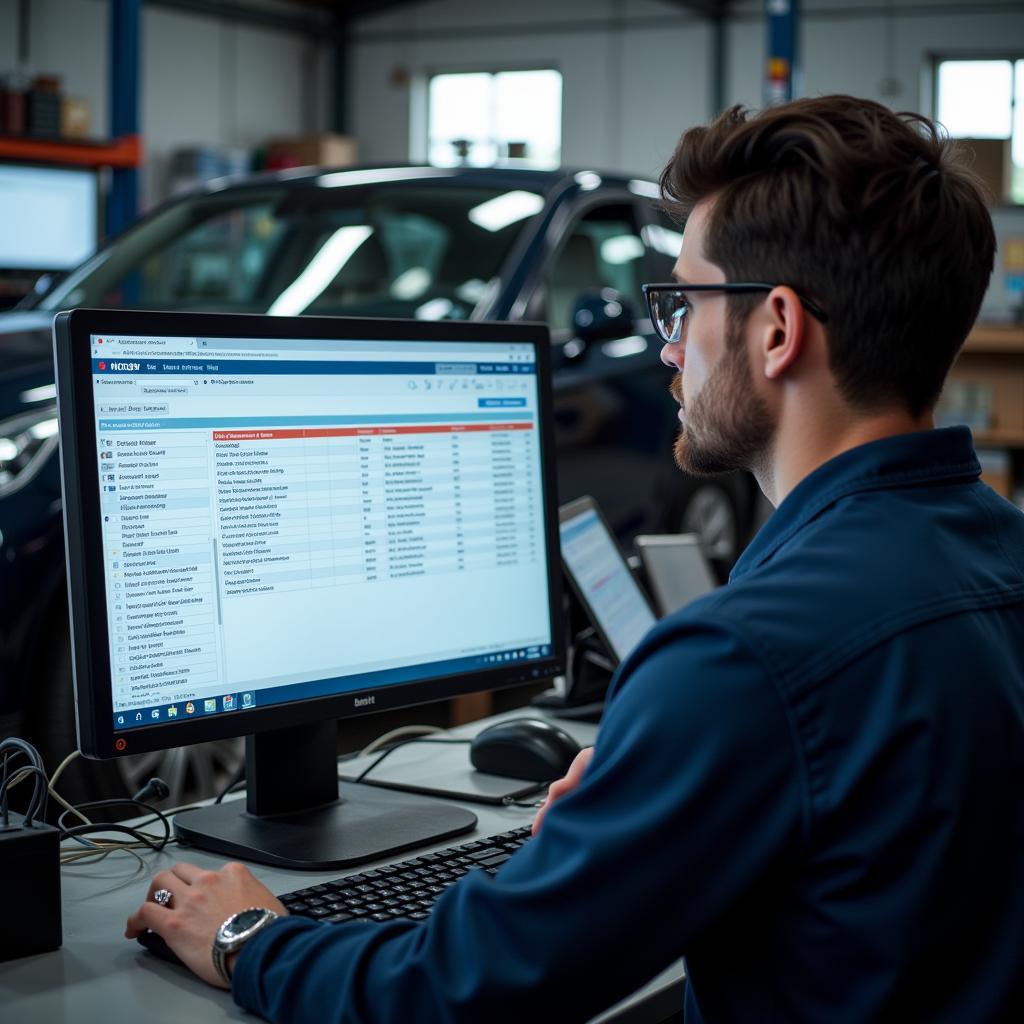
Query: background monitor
(273, 523)
(676, 569)
(49, 216)
(611, 596)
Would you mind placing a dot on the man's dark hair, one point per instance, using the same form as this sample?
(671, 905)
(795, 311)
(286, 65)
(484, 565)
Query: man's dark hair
(867, 212)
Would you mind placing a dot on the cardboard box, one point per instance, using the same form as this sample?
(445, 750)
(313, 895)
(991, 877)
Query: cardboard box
(75, 118)
(985, 392)
(324, 150)
(991, 162)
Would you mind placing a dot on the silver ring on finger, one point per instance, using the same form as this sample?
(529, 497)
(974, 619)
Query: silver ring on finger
(163, 897)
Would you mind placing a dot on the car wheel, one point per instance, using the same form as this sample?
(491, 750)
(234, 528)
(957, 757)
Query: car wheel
(192, 773)
(711, 512)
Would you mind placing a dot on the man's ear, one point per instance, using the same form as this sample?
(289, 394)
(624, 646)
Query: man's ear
(783, 332)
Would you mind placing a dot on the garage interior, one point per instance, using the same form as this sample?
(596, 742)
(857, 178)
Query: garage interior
(114, 112)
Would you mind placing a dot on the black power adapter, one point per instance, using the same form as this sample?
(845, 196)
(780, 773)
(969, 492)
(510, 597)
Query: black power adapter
(29, 887)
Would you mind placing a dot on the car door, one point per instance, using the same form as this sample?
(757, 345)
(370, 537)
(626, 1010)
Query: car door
(614, 418)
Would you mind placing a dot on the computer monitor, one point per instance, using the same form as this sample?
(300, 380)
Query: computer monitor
(676, 569)
(50, 216)
(273, 523)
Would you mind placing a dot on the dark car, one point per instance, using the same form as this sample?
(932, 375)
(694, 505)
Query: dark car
(568, 248)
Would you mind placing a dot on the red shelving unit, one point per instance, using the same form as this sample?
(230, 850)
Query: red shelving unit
(125, 152)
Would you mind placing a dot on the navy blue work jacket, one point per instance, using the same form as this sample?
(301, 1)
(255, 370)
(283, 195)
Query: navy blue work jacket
(810, 783)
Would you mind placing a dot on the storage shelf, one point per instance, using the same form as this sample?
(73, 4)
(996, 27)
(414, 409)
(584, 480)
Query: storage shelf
(125, 152)
(995, 338)
(996, 438)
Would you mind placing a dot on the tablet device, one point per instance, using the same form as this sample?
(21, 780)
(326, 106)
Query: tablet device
(613, 600)
(676, 569)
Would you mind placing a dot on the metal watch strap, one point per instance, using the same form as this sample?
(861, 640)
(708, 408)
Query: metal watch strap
(220, 955)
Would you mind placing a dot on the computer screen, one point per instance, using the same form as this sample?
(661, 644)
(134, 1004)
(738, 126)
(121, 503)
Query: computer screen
(676, 569)
(611, 596)
(66, 200)
(274, 521)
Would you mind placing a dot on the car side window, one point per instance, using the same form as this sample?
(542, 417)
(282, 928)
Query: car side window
(664, 238)
(218, 261)
(603, 249)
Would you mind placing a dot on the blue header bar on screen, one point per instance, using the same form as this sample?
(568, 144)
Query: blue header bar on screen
(578, 524)
(282, 367)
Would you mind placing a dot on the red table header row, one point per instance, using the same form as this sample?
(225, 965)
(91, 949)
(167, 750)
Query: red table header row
(277, 435)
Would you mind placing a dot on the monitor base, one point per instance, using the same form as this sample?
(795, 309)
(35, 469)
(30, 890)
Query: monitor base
(362, 825)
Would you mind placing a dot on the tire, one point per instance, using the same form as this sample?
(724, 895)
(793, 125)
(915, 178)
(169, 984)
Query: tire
(192, 773)
(712, 512)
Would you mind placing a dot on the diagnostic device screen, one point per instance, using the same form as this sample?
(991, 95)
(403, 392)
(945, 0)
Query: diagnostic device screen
(603, 579)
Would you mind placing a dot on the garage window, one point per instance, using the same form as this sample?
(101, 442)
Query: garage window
(984, 100)
(481, 118)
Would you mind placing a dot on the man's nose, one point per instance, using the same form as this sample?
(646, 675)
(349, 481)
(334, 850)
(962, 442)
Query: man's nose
(672, 356)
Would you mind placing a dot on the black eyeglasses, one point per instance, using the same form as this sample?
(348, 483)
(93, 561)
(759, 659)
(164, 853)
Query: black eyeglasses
(667, 303)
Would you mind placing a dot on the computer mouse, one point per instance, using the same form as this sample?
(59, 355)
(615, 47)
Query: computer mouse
(156, 945)
(523, 748)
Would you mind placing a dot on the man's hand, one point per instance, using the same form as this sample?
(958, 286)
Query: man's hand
(565, 785)
(202, 901)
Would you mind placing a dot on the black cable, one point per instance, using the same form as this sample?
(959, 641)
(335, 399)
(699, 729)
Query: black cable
(78, 831)
(169, 814)
(155, 789)
(30, 812)
(402, 743)
(237, 779)
(14, 746)
(137, 837)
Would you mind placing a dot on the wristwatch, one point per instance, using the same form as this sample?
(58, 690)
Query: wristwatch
(234, 933)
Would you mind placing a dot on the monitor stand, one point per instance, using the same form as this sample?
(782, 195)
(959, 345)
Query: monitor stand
(294, 816)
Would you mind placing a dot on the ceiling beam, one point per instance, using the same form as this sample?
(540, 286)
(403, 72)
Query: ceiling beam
(300, 23)
(705, 8)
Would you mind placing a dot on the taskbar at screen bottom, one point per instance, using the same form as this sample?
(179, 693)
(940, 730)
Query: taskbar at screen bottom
(246, 700)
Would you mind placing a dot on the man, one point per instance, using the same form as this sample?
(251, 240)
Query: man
(809, 782)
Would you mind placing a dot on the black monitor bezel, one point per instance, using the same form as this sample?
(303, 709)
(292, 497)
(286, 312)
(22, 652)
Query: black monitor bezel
(72, 331)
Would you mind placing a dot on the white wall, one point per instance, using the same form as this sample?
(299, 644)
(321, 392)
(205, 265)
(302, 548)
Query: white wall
(628, 69)
(213, 82)
(204, 80)
(637, 73)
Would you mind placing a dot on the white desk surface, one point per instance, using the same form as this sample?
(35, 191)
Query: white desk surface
(98, 976)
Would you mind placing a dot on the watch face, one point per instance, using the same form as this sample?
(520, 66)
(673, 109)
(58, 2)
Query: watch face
(242, 922)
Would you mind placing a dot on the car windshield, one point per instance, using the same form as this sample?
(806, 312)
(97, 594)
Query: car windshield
(411, 250)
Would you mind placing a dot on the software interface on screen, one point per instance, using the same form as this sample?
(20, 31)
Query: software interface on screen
(605, 581)
(285, 520)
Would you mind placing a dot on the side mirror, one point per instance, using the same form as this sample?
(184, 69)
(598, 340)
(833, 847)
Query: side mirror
(48, 280)
(602, 315)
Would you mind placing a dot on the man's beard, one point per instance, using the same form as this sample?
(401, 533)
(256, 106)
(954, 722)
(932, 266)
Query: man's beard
(728, 425)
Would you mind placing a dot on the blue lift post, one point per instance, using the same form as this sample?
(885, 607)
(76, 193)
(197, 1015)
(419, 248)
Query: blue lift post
(780, 66)
(123, 201)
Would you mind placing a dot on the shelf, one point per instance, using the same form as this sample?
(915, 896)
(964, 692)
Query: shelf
(125, 152)
(995, 339)
(996, 438)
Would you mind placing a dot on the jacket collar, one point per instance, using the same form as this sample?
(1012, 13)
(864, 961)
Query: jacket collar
(921, 458)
